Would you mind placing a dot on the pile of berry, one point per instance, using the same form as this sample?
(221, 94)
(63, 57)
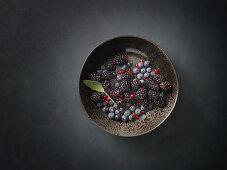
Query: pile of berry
(134, 89)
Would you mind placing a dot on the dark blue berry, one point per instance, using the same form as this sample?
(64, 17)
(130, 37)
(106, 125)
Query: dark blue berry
(105, 109)
(111, 109)
(127, 113)
(138, 111)
(111, 115)
(132, 108)
(117, 117)
(124, 118)
(131, 117)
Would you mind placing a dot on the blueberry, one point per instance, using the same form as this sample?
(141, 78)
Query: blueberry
(117, 117)
(115, 106)
(152, 73)
(149, 70)
(140, 64)
(128, 105)
(111, 115)
(111, 109)
(127, 113)
(146, 63)
(118, 77)
(140, 76)
(124, 67)
(138, 111)
(142, 108)
(132, 108)
(131, 117)
(117, 84)
(111, 103)
(124, 118)
(122, 110)
(135, 70)
(142, 81)
(102, 94)
(146, 75)
(104, 103)
(129, 63)
(99, 104)
(117, 112)
(105, 109)
(143, 70)
(150, 107)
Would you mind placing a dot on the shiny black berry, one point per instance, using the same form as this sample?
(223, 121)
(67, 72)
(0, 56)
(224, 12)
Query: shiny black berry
(106, 84)
(110, 67)
(125, 85)
(107, 75)
(141, 93)
(152, 94)
(128, 76)
(165, 86)
(96, 97)
(120, 59)
(160, 102)
(95, 76)
(136, 84)
(158, 78)
(151, 85)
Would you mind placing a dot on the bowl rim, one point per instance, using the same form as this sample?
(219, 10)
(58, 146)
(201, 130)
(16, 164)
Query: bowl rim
(177, 83)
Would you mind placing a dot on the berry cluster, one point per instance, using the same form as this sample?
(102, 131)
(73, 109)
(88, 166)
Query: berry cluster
(135, 89)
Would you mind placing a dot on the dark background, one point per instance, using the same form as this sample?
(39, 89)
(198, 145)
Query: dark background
(43, 46)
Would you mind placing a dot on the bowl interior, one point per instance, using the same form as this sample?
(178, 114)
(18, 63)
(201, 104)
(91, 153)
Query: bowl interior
(136, 49)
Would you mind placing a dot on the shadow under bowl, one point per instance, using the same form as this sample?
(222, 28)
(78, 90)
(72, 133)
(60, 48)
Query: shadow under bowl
(136, 48)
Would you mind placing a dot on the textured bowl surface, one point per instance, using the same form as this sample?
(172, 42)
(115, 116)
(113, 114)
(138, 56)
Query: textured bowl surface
(136, 48)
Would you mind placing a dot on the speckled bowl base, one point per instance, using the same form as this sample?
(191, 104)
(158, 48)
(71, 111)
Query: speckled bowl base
(136, 49)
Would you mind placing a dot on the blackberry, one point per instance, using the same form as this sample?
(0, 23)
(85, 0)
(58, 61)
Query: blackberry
(95, 76)
(120, 59)
(120, 102)
(125, 85)
(106, 84)
(107, 75)
(96, 97)
(158, 78)
(165, 86)
(135, 85)
(141, 93)
(160, 101)
(150, 84)
(144, 102)
(115, 93)
(110, 67)
(128, 76)
(152, 94)
(127, 97)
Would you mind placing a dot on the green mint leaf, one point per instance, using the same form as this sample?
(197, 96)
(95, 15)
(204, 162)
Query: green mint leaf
(94, 85)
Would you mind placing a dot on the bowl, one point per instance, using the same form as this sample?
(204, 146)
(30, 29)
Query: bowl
(136, 48)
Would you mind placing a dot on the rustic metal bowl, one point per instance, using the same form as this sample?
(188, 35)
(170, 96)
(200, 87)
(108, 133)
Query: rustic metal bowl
(136, 48)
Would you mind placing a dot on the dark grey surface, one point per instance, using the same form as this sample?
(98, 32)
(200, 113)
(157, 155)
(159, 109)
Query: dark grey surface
(43, 46)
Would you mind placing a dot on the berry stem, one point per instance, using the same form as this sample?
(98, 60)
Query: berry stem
(109, 97)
